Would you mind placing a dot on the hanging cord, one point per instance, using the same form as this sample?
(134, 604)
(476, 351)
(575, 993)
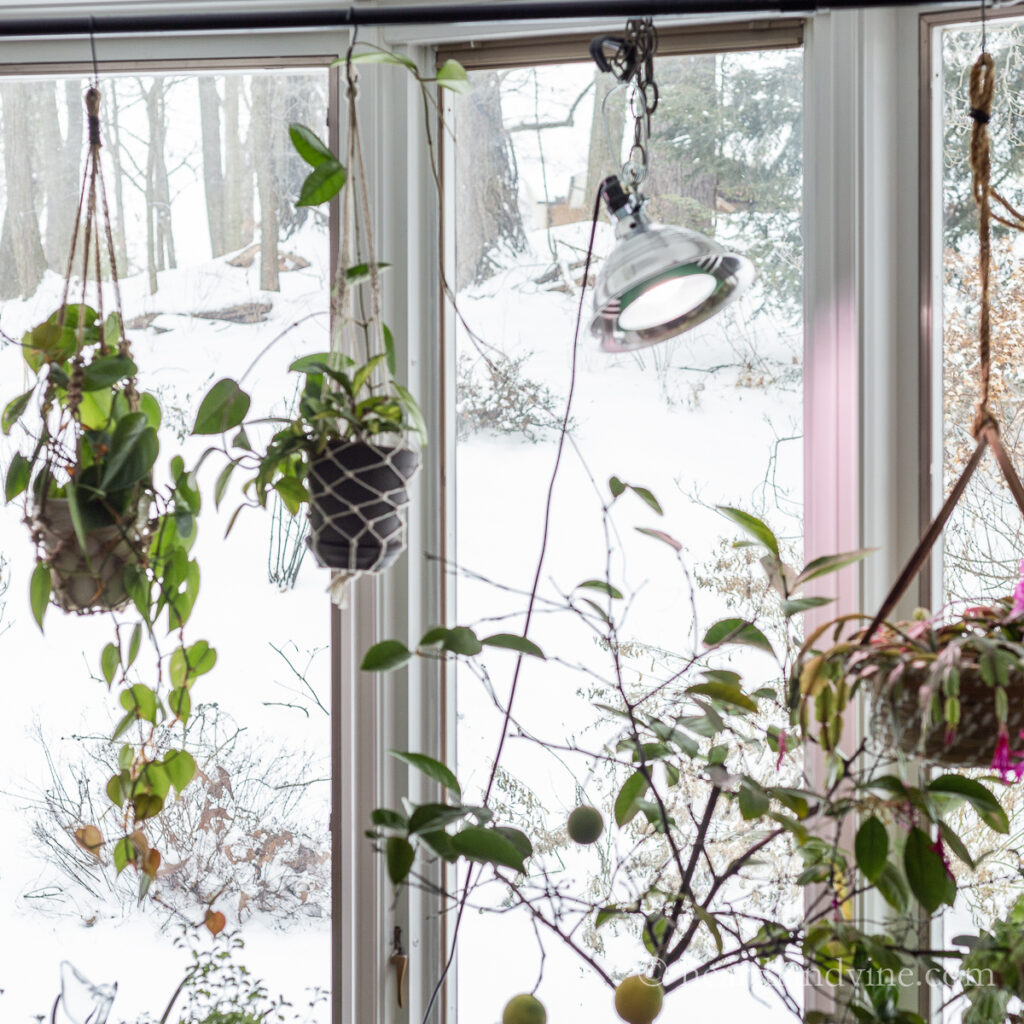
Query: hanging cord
(985, 426)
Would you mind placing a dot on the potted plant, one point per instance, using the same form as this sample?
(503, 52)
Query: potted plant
(950, 692)
(87, 467)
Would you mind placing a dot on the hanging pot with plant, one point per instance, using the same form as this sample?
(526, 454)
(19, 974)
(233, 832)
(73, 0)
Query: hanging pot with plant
(950, 692)
(92, 441)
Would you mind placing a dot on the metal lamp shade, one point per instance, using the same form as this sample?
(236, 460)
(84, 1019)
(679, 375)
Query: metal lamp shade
(660, 281)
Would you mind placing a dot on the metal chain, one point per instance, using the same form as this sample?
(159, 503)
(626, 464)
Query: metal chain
(632, 63)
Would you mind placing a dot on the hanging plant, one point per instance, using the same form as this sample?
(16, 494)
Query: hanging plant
(107, 537)
(949, 692)
(354, 442)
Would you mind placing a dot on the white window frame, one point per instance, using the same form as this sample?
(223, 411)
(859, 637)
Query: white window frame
(863, 312)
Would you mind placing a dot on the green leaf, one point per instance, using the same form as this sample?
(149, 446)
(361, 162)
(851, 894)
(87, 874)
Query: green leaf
(616, 486)
(110, 659)
(980, 798)
(431, 768)
(830, 563)
(725, 692)
(645, 495)
(926, 873)
(107, 370)
(389, 349)
(711, 924)
(601, 585)
(627, 802)
(606, 914)
(308, 145)
(39, 592)
(13, 411)
(753, 526)
(134, 644)
(433, 817)
(794, 606)
(292, 493)
(513, 642)
(871, 847)
(115, 792)
(124, 853)
(133, 450)
(462, 640)
(180, 766)
(386, 656)
(385, 818)
(180, 702)
(400, 856)
(488, 846)
(141, 700)
(323, 183)
(452, 75)
(223, 407)
(737, 631)
(17, 476)
(753, 800)
(956, 844)
(520, 840)
(360, 272)
(413, 411)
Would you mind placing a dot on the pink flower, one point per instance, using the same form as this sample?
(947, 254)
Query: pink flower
(782, 750)
(938, 848)
(1008, 763)
(1018, 594)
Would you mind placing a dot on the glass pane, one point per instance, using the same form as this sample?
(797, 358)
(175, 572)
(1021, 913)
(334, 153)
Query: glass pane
(982, 543)
(711, 417)
(215, 265)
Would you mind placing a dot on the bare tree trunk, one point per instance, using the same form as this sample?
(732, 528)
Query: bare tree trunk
(238, 225)
(213, 173)
(59, 163)
(112, 134)
(602, 160)
(487, 184)
(159, 236)
(264, 121)
(22, 260)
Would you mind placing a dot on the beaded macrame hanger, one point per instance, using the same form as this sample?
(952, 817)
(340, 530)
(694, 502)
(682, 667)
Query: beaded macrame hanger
(992, 206)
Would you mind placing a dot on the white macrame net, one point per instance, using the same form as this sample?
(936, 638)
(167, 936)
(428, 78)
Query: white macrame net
(358, 497)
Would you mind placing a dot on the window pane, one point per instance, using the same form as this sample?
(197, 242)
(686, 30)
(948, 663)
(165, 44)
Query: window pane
(982, 543)
(216, 265)
(711, 417)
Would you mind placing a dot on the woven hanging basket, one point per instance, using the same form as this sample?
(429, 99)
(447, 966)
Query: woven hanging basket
(898, 718)
(89, 579)
(358, 505)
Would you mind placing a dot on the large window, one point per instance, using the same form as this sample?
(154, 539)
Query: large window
(712, 417)
(216, 268)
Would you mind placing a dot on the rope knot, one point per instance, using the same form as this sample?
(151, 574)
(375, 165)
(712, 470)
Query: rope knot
(980, 116)
(984, 422)
(92, 108)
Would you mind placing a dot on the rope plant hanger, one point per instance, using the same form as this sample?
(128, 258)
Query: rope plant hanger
(88, 507)
(922, 674)
(357, 482)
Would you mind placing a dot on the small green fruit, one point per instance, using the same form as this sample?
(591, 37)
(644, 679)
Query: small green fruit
(638, 999)
(524, 1009)
(585, 825)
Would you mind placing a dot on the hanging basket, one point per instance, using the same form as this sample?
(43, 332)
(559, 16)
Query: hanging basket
(358, 505)
(89, 579)
(904, 710)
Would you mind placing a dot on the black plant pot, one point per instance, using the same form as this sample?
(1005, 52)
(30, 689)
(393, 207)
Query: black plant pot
(357, 505)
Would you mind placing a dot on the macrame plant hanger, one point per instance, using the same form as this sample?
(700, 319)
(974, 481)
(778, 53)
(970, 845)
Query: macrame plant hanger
(985, 429)
(355, 340)
(80, 573)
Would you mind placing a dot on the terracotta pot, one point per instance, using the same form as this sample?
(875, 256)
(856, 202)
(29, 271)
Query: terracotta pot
(358, 505)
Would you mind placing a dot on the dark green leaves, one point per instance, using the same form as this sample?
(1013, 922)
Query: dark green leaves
(431, 768)
(17, 476)
(737, 631)
(39, 592)
(830, 563)
(399, 855)
(753, 526)
(489, 846)
(728, 693)
(180, 767)
(926, 872)
(871, 848)
(308, 145)
(627, 803)
(133, 450)
(323, 184)
(13, 411)
(386, 656)
(105, 371)
(981, 799)
(223, 408)
(513, 642)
